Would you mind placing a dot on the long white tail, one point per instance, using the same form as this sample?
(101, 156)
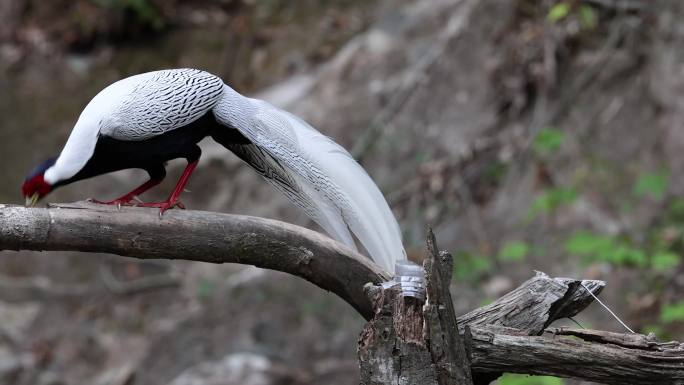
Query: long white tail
(316, 173)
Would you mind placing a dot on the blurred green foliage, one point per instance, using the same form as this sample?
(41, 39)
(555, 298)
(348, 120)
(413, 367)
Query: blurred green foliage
(144, 10)
(495, 171)
(672, 313)
(558, 12)
(664, 260)
(585, 14)
(514, 251)
(521, 379)
(651, 184)
(547, 141)
(548, 201)
(469, 266)
(601, 248)
(675, 210)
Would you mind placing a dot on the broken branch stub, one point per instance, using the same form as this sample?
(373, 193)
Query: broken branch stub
(411, 342)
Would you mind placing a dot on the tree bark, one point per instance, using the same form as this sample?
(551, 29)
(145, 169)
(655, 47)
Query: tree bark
(590, 355)
(196, 236)
(535, 304)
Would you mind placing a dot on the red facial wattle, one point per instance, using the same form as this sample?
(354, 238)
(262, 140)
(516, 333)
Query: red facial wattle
(36, 186)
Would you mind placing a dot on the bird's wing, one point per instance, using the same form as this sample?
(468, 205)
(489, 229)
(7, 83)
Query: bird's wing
(161, 101)
(339, 193)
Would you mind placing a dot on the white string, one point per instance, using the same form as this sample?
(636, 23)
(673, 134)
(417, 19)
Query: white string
(606, 307)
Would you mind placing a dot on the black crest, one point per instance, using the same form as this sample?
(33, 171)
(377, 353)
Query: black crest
(40, 168)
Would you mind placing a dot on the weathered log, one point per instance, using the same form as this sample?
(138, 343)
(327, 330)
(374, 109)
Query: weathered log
(604, 357)
(535, 304)
(530, 307)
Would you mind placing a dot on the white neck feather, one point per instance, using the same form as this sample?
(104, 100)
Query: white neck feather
(80, 146)
(76, 152)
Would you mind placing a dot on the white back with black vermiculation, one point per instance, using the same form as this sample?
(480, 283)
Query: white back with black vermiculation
(313, 171)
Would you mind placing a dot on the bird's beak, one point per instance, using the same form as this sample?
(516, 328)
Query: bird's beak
(32, 200)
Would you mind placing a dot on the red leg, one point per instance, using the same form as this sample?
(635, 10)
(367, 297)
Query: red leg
(172, 200)
(125, 200)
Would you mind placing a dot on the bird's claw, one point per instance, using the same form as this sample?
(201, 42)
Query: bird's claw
(163, 206)
(127, 201)
(117, 202)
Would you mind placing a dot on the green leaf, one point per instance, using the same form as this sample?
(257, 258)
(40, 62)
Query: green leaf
(664, 261)
(659, 330)
(597, 248)
(548, 140)
(584, 243)
(652, 184)
(588, 17)
(468, 266)
(514, 251)
(522, 379)
(675, 210)
(550, 200)
(623, 254)
(495, 171)
(672, 313)
(558, 11)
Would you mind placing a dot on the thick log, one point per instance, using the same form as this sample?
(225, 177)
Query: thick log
(529, 308)
(196, 236)
(590, 355)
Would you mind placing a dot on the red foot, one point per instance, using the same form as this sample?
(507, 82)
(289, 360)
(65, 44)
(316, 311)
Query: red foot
(127, 199)
(173, 198)
(170, 203)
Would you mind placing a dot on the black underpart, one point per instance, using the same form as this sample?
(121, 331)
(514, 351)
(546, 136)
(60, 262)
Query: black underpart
(151, 154)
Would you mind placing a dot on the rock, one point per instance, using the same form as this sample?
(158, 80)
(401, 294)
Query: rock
(10, 366)
(15, 319)
(233, 369)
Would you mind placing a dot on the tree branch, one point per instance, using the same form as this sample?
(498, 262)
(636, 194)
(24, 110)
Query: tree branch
(510, 335)
(590, 355)
(535, 304)
(195, 236)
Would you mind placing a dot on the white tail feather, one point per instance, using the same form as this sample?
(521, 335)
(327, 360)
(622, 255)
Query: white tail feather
(344, 196)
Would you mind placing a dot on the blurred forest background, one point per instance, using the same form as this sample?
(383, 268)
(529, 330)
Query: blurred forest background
(532, 134)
